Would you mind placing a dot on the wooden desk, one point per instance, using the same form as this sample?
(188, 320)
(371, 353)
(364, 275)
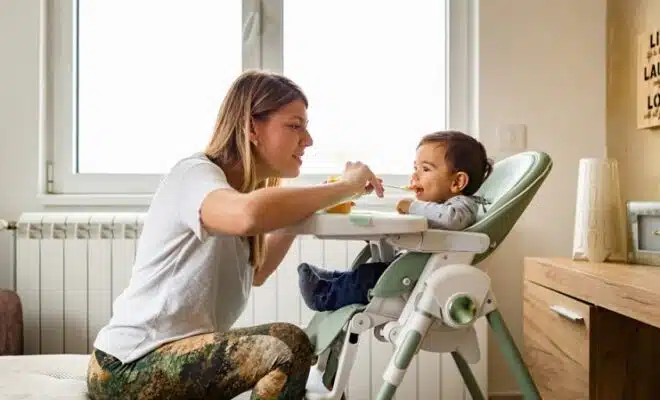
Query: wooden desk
(592, 331)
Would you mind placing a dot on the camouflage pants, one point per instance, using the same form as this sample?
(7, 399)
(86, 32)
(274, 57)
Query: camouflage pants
(272, 359)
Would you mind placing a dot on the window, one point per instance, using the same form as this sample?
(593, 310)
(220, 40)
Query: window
(134, 86)
(150, 90)
(375, 77)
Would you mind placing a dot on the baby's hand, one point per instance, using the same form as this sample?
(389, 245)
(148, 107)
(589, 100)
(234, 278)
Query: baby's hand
(403, 205)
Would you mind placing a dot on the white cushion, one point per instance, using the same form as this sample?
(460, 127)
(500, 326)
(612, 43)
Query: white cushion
(48, 376)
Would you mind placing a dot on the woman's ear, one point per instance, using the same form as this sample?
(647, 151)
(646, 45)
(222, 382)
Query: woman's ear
(252, 133)
(460, 181)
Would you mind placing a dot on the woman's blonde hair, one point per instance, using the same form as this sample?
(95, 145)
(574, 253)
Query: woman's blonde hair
(253, 96)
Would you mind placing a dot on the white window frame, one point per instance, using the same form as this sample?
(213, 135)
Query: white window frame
(58, 185)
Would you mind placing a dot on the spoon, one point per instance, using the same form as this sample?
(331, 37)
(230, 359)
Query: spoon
(405, 188)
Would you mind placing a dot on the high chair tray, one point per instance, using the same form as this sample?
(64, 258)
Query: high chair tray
(360, 223)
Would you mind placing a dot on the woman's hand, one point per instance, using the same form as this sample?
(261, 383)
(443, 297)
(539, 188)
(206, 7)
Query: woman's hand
(362, 178)
(370, 188)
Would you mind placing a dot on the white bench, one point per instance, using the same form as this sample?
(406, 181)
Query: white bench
(47, 376)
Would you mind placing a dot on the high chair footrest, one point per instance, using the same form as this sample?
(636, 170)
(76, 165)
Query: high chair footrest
(315, 386)
(325, 326)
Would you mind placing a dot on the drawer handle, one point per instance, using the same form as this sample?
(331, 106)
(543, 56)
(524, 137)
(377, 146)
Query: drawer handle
(566, 313)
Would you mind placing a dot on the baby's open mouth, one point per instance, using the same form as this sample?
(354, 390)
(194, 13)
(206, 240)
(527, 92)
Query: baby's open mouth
(417, 189)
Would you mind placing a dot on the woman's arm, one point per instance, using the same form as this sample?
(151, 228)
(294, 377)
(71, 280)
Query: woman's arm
(277, 245)
(268, 209)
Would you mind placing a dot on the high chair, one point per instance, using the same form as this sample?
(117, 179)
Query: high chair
(431, 295)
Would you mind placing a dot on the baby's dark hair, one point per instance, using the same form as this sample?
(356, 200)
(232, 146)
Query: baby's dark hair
(463, 153)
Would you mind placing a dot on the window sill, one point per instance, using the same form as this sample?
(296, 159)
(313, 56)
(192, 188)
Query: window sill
(92, 200)
(387, 203)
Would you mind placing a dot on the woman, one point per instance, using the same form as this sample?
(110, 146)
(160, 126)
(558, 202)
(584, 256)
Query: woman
(209, 235)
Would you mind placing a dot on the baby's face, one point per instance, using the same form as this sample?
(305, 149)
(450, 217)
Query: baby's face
(432, 180)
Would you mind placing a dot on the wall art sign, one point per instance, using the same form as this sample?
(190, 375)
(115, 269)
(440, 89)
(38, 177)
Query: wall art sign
(648, 79)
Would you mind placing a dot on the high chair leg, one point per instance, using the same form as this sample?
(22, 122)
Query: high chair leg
(512, 356)
(316, 383)
(337, 374)
(468, 376)
(407, 346)
(332, 364)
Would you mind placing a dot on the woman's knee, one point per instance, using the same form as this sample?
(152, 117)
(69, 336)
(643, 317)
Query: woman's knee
(296, 340)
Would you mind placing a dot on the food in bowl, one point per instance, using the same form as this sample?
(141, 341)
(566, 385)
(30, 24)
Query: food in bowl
(341, 208)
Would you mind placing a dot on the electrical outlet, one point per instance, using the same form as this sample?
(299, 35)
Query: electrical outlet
(512, 138)
(519, 137)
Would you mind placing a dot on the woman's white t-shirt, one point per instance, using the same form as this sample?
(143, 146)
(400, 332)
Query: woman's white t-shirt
(184, 281)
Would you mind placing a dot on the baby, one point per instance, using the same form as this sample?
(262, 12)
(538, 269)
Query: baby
(449, 168)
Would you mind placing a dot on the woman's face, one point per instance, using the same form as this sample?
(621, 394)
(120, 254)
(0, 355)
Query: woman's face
(281, 140)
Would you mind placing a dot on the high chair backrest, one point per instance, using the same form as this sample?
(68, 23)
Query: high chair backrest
(509, 190)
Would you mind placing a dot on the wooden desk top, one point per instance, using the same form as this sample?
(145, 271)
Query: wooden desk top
(628, 289)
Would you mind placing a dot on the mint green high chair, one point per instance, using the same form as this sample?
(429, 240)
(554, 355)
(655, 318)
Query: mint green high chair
(430, 296)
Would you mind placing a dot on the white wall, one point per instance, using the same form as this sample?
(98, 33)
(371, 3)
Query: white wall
(19, 30)
(542, 63)
(19, 22)
(636, 149)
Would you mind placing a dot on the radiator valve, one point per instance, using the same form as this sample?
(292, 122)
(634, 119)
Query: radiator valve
(5, 225)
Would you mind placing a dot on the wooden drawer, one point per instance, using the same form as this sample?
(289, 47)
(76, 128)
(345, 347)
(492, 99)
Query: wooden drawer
(556, 342)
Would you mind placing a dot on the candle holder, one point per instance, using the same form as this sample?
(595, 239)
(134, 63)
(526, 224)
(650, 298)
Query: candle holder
(600, 219)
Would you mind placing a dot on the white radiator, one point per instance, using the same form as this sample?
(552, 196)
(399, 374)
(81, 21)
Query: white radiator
(71, 266)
